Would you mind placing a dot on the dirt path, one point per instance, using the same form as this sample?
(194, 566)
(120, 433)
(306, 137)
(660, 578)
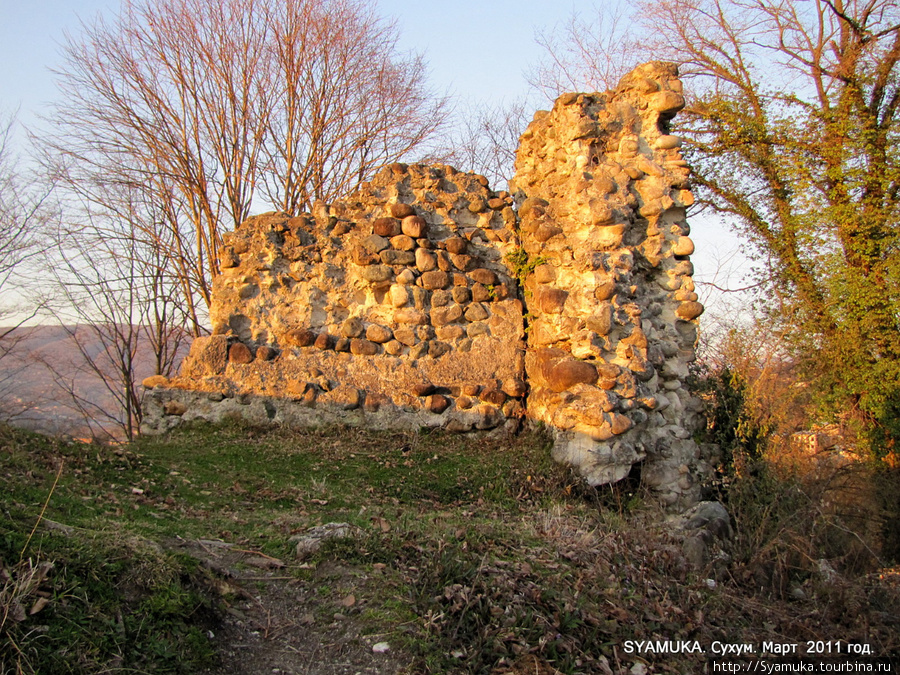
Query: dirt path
(274, 622)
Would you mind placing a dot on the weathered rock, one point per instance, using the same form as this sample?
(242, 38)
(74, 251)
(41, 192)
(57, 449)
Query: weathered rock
(402, 211)
(352, 327)
(360, 347)
(437, 403)
(569, 372)
(310, 542)
(386, 227)
(379, 334)
(434, 279)
(414, 226)
(155, 381)
(483, 276)
(240, 353)
(299, 337)
(376, 273)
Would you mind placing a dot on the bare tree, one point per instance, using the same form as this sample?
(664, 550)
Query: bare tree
(588, 53)
(121, 311)
(22, 214)
(212, 104)
(486, 140)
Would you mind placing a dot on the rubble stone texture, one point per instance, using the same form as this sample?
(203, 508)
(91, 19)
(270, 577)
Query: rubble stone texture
(612, 307)
(402, 307)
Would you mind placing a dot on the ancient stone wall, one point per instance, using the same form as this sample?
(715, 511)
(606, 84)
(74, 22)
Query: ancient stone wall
(401, 306)
(612, 306)
(396, 302)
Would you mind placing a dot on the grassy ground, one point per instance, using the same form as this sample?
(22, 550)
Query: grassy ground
(470, 555)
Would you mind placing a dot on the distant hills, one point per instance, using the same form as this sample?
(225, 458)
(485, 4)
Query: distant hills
(47, 385)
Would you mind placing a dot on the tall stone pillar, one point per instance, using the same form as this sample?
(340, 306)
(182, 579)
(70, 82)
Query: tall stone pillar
(611, 307)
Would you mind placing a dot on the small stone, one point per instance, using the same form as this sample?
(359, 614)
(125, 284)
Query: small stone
(381, 647)
(619, 423)
(483, 276)
(407, 277)
(403, 243)
(514, 387)
(496, 203)
(266, 353)
(374, 243)
(455, 245)
(360, 347)
(423, 389)
(419, 350)
(461, 262)
(683, 247)
(378, 334)
(434, 279)
(689, 310)
(440, 298)
(605, 290)
(411, 316)
(569, 372)
(361, 256)
(480, 293)
(399, 296)
(551, 300)
(342, 345)
(464, 402)
(352, 327)
(240, 353)
(545, 232)
(443, 261)
(386, 227)
(376, 273)
(461, 295)
(393, 347)
(441, 316)
(437, 403)
(401, 211)
(425, 261)
(475, 312)
(393, 257)
(155, 381)
(324, 341)
(667, 142)
(471, 389)
(406, 336)
(476, 205)
(450, 332)
(299, 337)
(437, 349)
(414, 226)
(601, 321)
(493, 396)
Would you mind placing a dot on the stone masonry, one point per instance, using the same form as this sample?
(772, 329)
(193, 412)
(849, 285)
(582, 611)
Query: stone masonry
(426, 299)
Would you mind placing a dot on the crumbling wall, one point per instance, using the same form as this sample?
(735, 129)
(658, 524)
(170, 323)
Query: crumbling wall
(400, 307)
(612, 307)
(395, 301)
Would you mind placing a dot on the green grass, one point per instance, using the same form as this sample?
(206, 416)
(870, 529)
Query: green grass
(475, 554)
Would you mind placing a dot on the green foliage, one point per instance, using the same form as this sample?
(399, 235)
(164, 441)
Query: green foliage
(730, 424)
(521, 264)
(806, 167)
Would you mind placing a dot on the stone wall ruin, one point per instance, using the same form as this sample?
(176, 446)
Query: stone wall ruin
(425, 299)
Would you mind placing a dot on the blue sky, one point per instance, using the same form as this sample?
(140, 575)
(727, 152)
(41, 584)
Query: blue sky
(476, 49)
